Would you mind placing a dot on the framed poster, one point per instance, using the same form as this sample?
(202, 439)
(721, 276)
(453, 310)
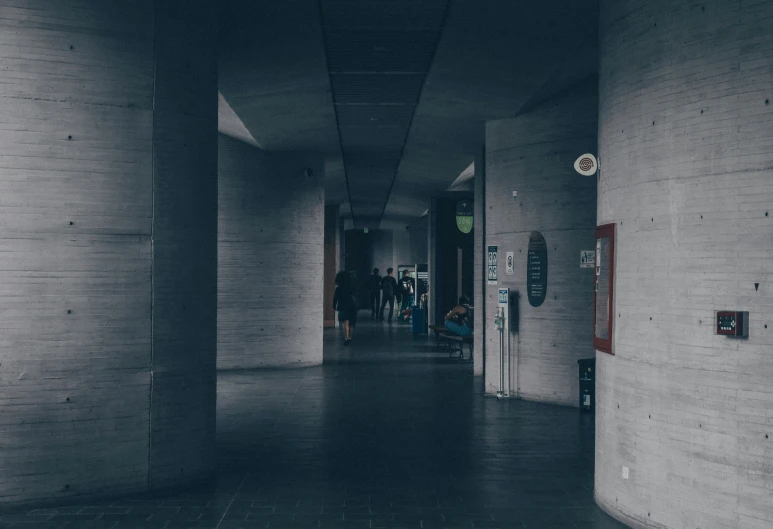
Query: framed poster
(603, 295)
(537, 269)
(492, 265)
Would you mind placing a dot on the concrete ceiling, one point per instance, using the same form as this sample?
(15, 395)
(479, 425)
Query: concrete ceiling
(395, 93)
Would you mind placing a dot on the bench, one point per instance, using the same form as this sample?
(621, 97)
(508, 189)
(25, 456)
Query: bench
(457, 344)
(454, 344)
(440, 335)
(437, 329)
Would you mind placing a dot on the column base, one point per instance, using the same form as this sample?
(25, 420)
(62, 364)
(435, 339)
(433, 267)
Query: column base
(633, 523)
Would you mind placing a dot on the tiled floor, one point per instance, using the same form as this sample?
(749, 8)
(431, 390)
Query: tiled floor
(388, 434)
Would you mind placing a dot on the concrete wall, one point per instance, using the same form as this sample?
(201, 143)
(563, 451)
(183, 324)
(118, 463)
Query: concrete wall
(270, 258)
(685, 147)
(382, 251)
(107, 248)
(401, 247)
(533, 154)
(389, 249)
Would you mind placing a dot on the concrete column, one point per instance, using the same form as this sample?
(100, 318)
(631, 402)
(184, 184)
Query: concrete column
(107, 248)
(270, 258)
(341, 246)
(685, 127)
(480, 261)
(533, 155)
(332, 218)
(432, 262)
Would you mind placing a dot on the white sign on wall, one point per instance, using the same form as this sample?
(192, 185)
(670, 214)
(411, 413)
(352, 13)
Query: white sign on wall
(503, 296)
(492, 265)
(510, 262)
(587, 258)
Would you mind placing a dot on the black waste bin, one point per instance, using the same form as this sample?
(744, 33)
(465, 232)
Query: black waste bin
(587, 383)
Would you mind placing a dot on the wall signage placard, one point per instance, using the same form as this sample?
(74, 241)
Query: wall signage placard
(492, 265)
(537, 269)
(510, 264)
(504, 294)
(604, 290)
(464, 216)
(587, 258)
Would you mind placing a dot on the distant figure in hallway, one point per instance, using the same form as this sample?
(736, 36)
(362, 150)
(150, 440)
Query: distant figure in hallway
(407, 290)
(459, 320)
(374, 288)
(345, 302)
(388, 289)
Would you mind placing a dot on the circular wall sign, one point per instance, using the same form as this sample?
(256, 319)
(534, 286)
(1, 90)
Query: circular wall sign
(586, 165)
(537, 269)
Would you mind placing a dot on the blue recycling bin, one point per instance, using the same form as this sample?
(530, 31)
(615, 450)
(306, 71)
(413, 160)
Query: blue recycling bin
(419, 320)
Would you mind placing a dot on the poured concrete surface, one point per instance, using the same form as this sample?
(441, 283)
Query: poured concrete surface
(389, 433)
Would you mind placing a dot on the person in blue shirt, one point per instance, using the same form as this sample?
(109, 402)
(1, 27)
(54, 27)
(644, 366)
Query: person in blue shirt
(459, 320)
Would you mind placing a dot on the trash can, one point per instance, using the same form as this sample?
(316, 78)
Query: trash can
(587, 384)
(419, 320)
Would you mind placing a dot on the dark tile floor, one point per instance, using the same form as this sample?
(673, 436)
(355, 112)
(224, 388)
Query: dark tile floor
(390, 433)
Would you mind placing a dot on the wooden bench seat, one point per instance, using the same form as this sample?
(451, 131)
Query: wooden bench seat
(439, 331)
(456, 343)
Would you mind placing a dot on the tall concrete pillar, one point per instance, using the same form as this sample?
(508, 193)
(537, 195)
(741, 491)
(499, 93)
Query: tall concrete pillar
(107, 247)
(270, 257)
(332, 220)
(480, 263)
(432, 264)
(684, 423)
(533, 155)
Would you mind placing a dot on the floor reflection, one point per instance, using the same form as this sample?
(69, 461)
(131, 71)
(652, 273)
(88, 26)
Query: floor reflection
(389, 433)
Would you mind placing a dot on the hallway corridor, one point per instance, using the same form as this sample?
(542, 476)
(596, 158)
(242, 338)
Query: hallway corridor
(389, 433)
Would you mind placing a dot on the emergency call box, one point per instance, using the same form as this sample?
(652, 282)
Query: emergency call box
(732, 323)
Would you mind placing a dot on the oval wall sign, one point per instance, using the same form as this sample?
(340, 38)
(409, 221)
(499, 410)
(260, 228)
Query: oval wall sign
(537, 269)
(464, 216)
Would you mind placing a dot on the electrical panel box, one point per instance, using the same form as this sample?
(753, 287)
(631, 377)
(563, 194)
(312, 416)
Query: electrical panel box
(732, 323)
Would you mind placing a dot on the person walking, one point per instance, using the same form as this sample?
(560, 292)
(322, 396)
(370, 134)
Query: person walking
(345, 302)
(388, 289)
(407, 290)
(374, 288)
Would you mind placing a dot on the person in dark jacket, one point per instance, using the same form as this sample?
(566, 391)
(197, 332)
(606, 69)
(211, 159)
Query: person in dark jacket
(374, 290)
(345, 302)
(388, 291)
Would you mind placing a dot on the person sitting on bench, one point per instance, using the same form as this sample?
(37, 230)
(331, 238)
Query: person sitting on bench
(458, 321)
